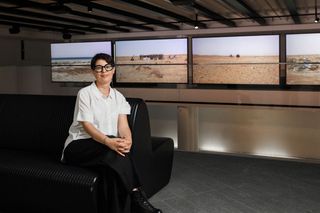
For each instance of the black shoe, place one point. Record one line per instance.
(140, 203)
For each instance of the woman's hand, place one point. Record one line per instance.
(119, 145)
(126, 144)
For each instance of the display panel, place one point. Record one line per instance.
(236, 60)
(70, 62)
(151, 61)
(303, 57)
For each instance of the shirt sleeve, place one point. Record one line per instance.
(124, 106)
(84, 112)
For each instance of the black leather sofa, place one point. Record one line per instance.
(33, 129)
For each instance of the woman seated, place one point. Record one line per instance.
(100, 137)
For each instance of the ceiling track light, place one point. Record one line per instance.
(196, 24)
(59, 8)
(89, 9)
(66, 35)
(15, 29)
(316, 19)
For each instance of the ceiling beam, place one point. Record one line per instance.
(19, 12)
(145, 19)
(114, 21)
(45, 7)
(215, 16)
(241, 6)
(47, 23)
(293, 11)
(272, 8)
(162, 11)
(41, 28)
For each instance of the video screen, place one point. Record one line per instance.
(303, 57)
(70, 62)
(236, 60)
(151, 61)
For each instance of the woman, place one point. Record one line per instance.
(100, 137)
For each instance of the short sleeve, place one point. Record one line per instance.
(84, 112)
(124, 107)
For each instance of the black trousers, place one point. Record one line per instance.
(118, 173)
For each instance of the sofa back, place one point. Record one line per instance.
(40, 123)
(35, 123)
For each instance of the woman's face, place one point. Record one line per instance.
(102, 74)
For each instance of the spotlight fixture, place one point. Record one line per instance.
(196, 26)
(15, 29)
(59, 8)
(89, 9)
(66, 35)
(316, 19)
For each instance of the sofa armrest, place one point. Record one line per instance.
(152, 155)
(162, 158)
(158, 141)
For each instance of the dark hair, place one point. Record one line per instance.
(102, 56)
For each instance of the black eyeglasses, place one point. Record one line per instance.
(99, 68)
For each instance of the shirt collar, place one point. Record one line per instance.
(99, 95)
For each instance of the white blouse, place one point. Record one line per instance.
(100, 110)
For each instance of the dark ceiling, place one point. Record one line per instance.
(114, 16)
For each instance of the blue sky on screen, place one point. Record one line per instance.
(158, 46)
(303, 44)
(242, 45)
(80, 49)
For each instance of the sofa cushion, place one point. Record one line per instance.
(37, 182)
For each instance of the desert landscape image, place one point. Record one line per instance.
(70, 62)
(236, 60)
(303, 57)
(152, 61)
(301, 69)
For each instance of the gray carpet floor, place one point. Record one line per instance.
(210, 183)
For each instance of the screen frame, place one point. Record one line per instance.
(237, 85)
(151, 84)
(304, 87)
(80, 83)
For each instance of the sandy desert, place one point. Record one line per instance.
(72, 74)
(152, 73)
(235, 69)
